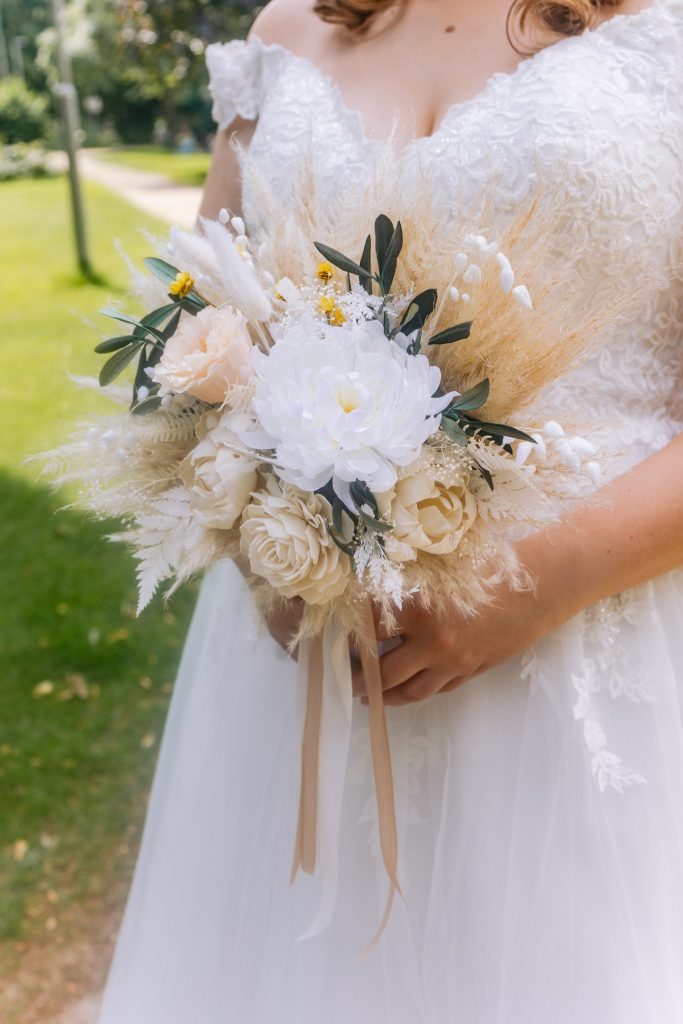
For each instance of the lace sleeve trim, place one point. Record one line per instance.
(235, 80)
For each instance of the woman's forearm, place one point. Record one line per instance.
(223, 187)
(632, 533)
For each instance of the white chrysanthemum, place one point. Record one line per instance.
(343, 404)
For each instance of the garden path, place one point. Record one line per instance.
(154, 194)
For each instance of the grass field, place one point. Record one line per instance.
(182, 168)
(84, 685)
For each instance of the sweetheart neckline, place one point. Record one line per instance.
(459, 107)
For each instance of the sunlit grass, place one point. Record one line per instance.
(84, 685)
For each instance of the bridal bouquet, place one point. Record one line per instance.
(341, 428)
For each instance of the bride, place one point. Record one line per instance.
(538, 747)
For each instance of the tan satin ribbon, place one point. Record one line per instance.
(381, 763)
(307, 827)
(306, 837)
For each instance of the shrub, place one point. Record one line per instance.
(23, 160)
(23, 113)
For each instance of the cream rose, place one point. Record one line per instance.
(426, 514)
(219, 475)
(284, 535)
(207, 356)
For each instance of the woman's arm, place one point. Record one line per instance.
(632, 534)
(223, 187)
(286, 23)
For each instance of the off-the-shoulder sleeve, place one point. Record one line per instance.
(235, 79)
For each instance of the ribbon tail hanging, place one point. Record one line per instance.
(325, 667)
(382, 768)
(325, 748)
(305, 847)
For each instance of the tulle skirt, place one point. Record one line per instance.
(540, 813)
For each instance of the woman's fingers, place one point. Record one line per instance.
(397, 666)
(421, 686)
(401, 664)
(452, 685)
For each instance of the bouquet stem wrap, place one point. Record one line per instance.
(325, 665)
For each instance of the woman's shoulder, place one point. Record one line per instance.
(241, 70)
(292, 24)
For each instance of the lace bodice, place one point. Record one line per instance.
(598, 116)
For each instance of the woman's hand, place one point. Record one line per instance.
(632, 533)
(283, 625)
(442, 649)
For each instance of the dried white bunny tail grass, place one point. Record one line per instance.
(150, 291)
(223, 274)
(117, 393)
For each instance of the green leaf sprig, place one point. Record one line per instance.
(150, 334)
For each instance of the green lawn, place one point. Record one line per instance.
(183, 168)
(84, 685)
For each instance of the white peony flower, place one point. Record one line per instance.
(343, 404)
(427, 514)
(285, 536)
(208, 355)
(218, 474)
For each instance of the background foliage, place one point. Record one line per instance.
(144, 59)
(23, 112)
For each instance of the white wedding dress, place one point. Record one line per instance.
(540, 806)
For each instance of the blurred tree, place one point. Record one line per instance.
(146, 60)
(143, 58)
(26, 19)
(23, 113)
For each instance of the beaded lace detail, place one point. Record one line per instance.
(604, 671)
(599, 117)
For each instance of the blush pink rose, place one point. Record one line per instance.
(207, 356)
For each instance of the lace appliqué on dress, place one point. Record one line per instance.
(413, 750)
(606, 670)
(237, 79)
